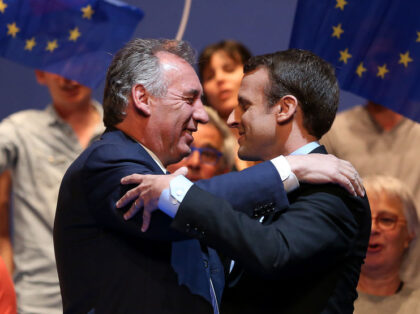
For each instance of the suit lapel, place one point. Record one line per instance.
(112, 135)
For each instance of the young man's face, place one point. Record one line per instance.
(64, 92)
(255, 121)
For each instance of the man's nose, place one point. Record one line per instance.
(219, 76)
(374, 227)
(200, 114)
(67, 82)
(233, 118)
(193, 160)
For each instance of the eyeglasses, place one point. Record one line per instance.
(208, 155)
(387, 221)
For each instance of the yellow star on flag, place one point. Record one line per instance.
(87, 12)
(418, 37)
(405, 58)
(344, 55)
(340, 4)
(3, 6)
(337, 31)
(382, 71)
(360, 69)
(12, 29)
(52, 45)
(30, 43)
(74, 34)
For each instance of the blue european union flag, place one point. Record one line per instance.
(75, 39)
(373, 44)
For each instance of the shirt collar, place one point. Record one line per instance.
(55, 118)
(154, 157)
(306, 149)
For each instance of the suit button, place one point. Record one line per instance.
(206, 263)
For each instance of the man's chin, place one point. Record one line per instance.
(243, 154)
(180, 154)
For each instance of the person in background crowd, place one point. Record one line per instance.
(212, 150)
(379, 141)
(394, 230)
(38, 146)
(220, 68)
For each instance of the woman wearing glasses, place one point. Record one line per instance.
(394, 229)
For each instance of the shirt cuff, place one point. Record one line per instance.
(289, 179)
(171, 198)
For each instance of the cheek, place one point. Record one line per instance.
(236, 79)
(397, 243)
(210, 89)
(208, 171)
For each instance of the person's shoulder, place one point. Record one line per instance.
(115, 149)
(337, 201)
(25, 116)
(348, 116)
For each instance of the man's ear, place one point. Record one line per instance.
(286, 107)
(40, 77)
(140, 99)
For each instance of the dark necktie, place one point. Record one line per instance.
(194, 268)
(194, 265)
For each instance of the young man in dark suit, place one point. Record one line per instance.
(302, 258)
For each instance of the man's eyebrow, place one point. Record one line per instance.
(192, 92)
(243, 101)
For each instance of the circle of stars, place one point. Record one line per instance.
(30, 43)
(345, 55)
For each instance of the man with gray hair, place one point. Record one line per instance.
(152, 105)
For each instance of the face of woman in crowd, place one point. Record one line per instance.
(389, 236)
(221, 81)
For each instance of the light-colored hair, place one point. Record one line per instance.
(137, 63)
(228, 148)
(396, 189)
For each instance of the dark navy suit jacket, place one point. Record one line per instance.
(107, 264)
(304, 258)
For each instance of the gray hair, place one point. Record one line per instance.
(396, 189)
(228, 148)
(137, 63)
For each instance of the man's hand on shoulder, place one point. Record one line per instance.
(320, 168)
(146, 194)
